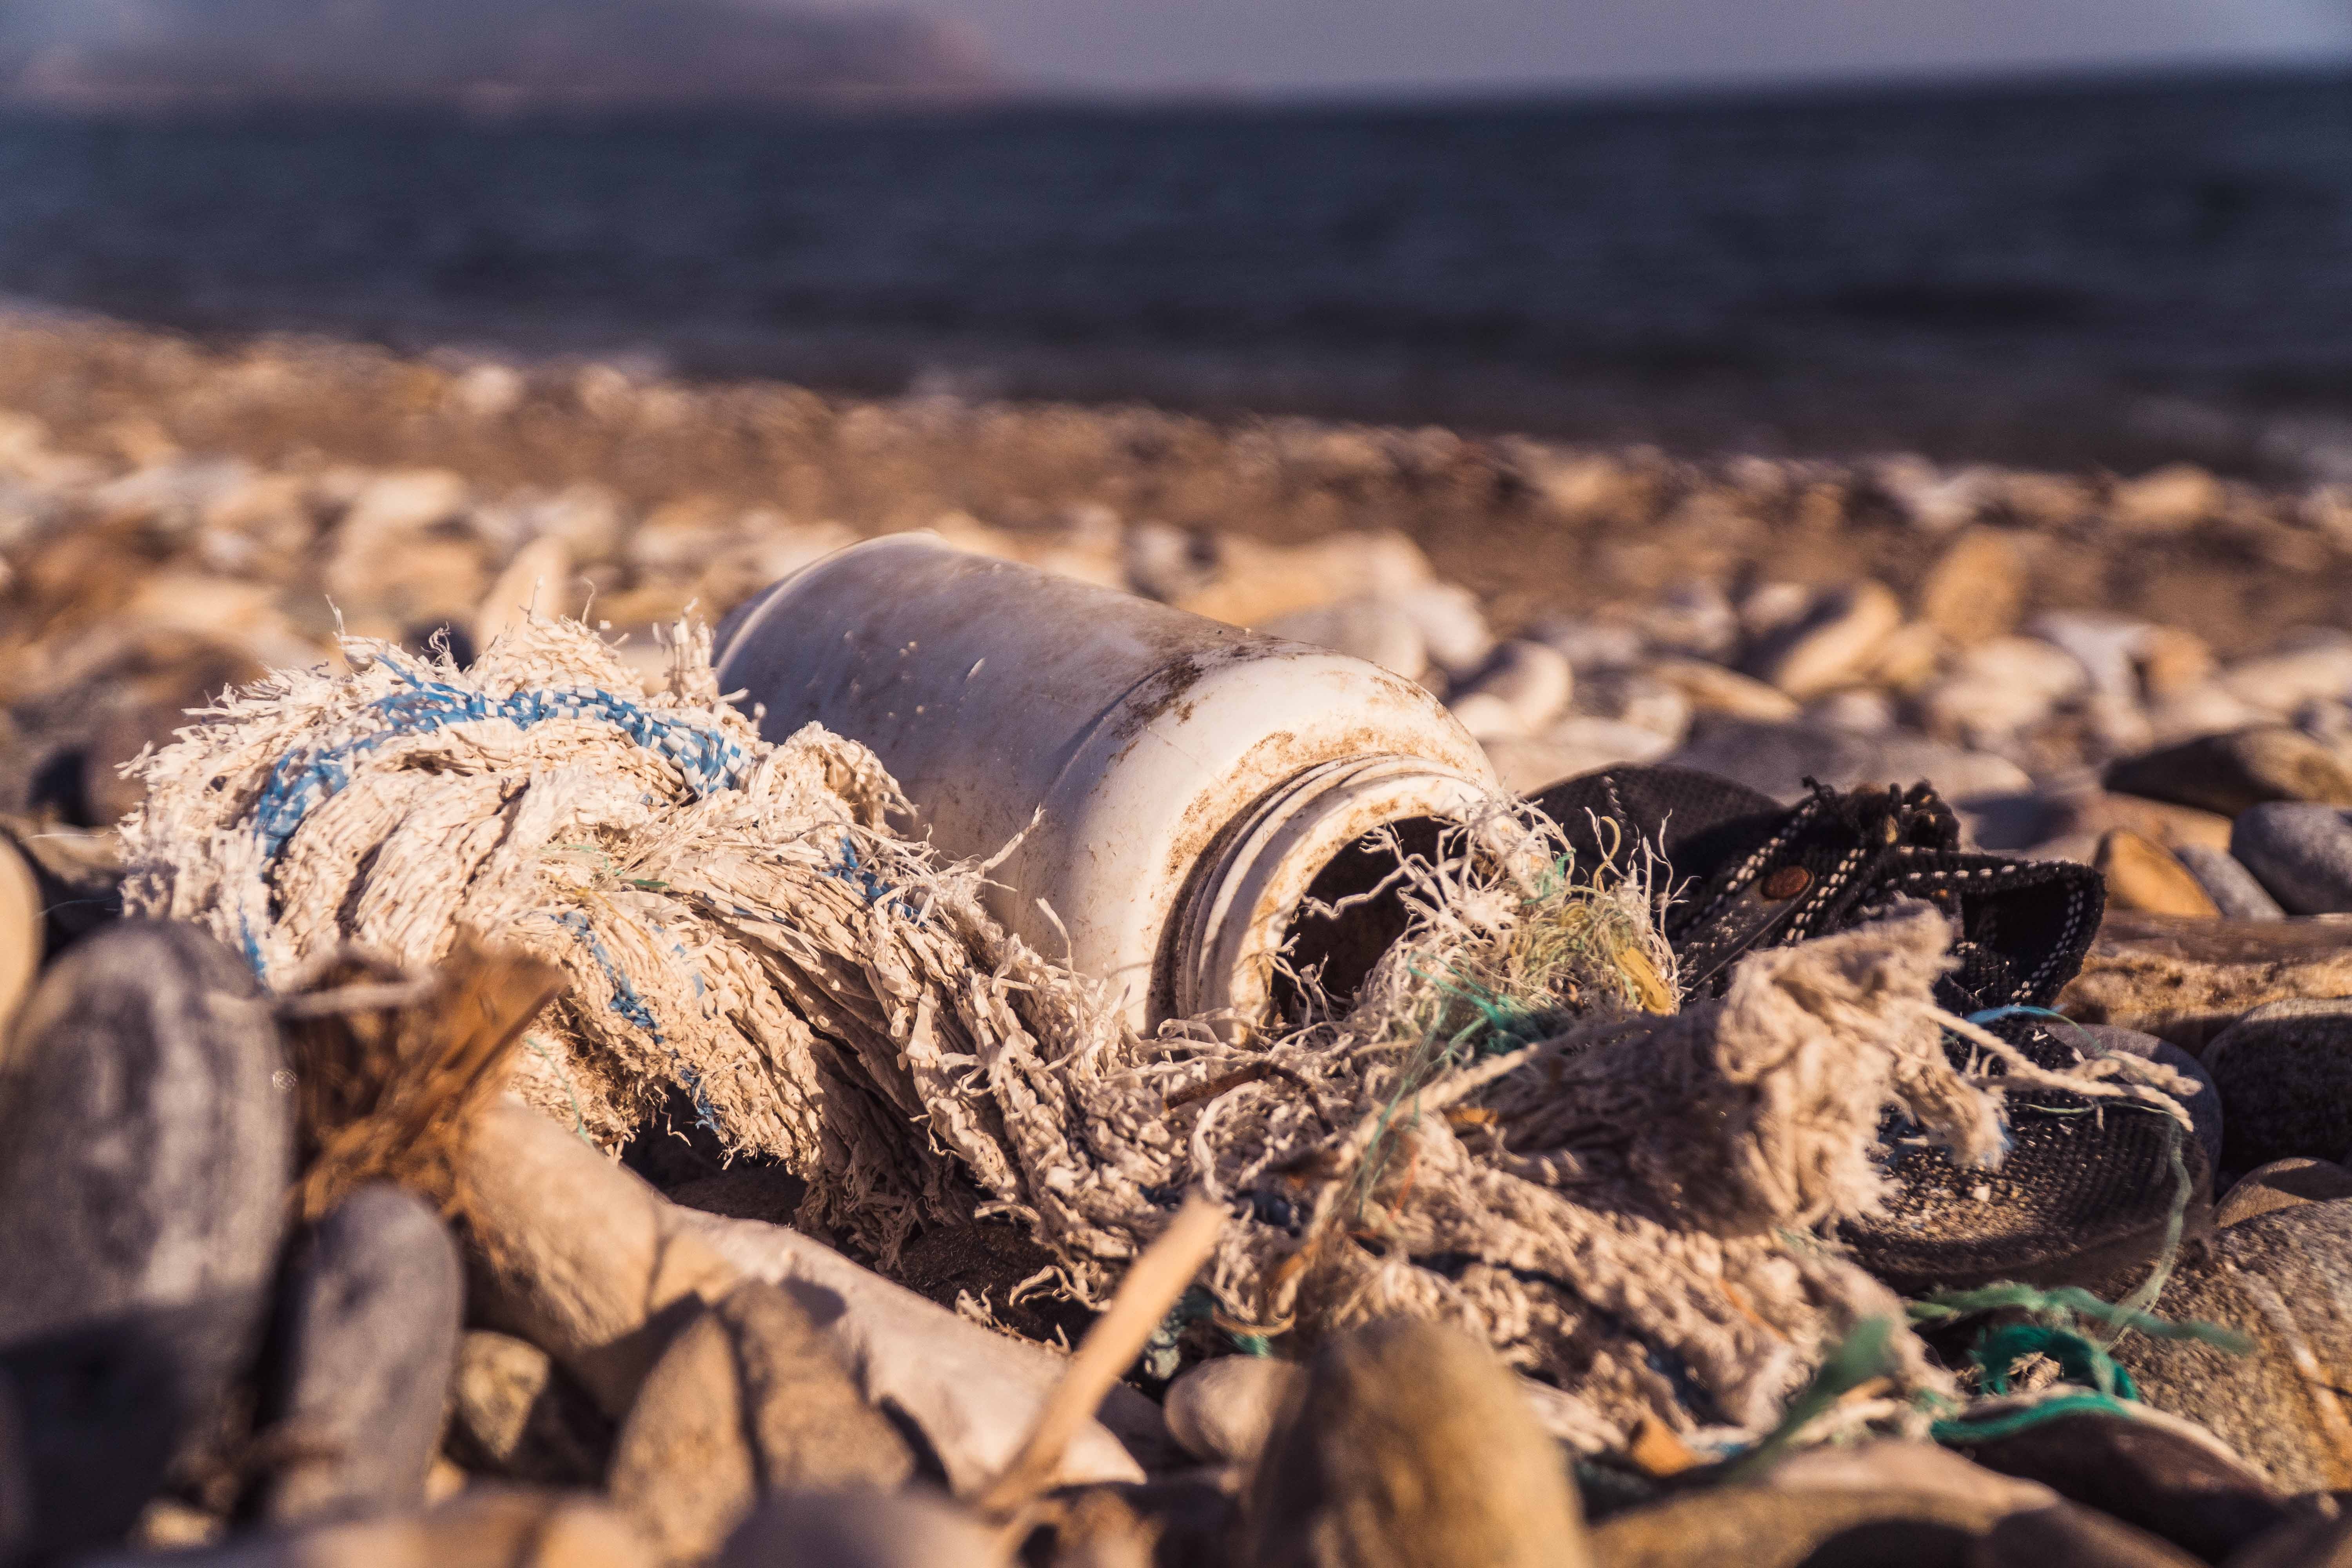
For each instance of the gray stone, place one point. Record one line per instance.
(1222, 1410)
(2226, 882)
(367, 1339)
(2204, 1107)
(2233, 773)
(144, 1153)
(748, 1398)
(1523, 687)
(2281, 1184)
(2301, 853)
(1777, 758)
(1374, 630)
(1833, 645)
(2285, 1076)
(1411, 1445)
(860, 1529)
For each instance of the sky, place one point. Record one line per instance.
(1327, 46)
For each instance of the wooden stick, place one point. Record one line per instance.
(1151, 1288)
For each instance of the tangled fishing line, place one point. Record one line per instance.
(1509, 1125)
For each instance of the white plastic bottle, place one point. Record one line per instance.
(1194, 779)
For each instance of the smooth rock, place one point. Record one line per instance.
(1253, 582)
(1639, 698)
(2076, 1537)
(2284, 1280)
(2236, 771)
(2000, 686)
(1777, 758)
(2145, 877)
(2284, 1071)
(2203, 709)
(1694, 619)
(1453, 626)
(482, 1526)
(972, 1394)
(2301, 853)
(1857, 709)
(1591, 645)
(1916, 1469)
(515, 1414)
(1374, 630)
(2155, 1473)
(2205, 1111)
(1411, 1445)
(1712, 688)
(2187, 980)
(2233, 888)
(1766, 1527)
(910, 1529)
(1572, 747)
(1976, 588)
(2282, 682)
(2165, 501)
(2282, 1184)
(1833, 645)
(538, 579)
(21, 933)
(144, 1153)
(747, 1399)
(1223, 1409)
(366, 1342)
(1522, 689)
(2098, 811)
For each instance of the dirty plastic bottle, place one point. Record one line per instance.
(1190, 782)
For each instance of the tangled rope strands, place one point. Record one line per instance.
(1509, 1126)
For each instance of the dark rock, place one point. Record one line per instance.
(2234, 772)
(366, 1341)
(2285, 1072)
(144, 1146)
(1411, 1444)
(516, 1414)
(1777, 758)
(2161, 1479)
(2285, 1280)
(910, 1529)
(2076, 1538)
(748, 1398)
(2302, 854)
(2233, 890)
(2281, 1184)
(1761, 1527)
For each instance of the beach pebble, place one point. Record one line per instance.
(2233, 773)
(2000, 687)
(2301, 853)
(1691, 619)
(2185, 981)
(1771, 1527)
(1573, 746)
(1857, 709)
(2226, 882)
(1453, 628)
(2281, 682)
(910, 1529)
(1777, 758)
(514, 1414)
(144, 1151)
(1591, 645)
(2284, 1071)
(2284, 1280)
(1639, 697)
(481, 1527)
(21, 932)
(2160, 1474)
(2165, 501)
(1524, 686)
(539, 578)
(1374, 630)
(2145, 876)
(365, 1341)
(1411, 1444)
(1976, 588)
(1712, 688)
(1223, 1409)
(2282, 1184)
(748, 1398)
(1834, 644)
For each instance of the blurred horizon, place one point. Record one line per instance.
(519, 55)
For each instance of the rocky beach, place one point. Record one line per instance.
(2130, 693)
